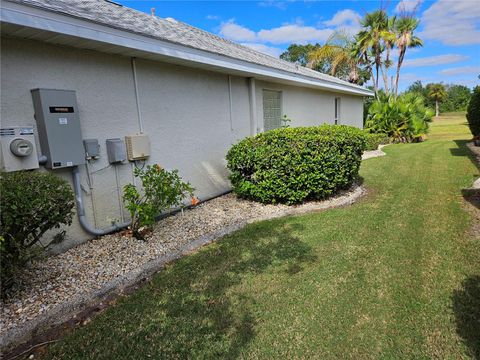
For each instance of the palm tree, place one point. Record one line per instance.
(388, 38)
(339, 52)
(404, 27)
(370, 39)
(437, 92)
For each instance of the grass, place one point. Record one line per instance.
(395, 276)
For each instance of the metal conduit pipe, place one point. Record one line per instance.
(81, 210)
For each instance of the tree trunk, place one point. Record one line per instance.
(385, 78)
(399, 65)
(436, 108)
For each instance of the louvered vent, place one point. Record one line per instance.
(7, 132)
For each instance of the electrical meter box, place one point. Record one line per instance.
(58, 126)
(116, 150)
(138, 147)
(17, 149)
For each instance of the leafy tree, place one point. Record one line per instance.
(298, 54)
(473, 112)
(437, 93)
(458, 97)
(339, 53)
(405, 27)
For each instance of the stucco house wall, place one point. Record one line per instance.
(186, 113)
(310, 107)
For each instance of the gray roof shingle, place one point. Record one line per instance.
(120, 17)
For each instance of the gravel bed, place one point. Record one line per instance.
(102, 264)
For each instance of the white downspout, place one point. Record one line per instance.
(253, 106)
(137, 99)
(230, 100)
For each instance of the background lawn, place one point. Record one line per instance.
(395, 276)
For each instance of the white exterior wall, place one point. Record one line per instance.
(310, 107)
(185, 111)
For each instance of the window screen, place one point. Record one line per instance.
(337, 110)
(272, 109)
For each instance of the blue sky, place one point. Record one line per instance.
(450, 29)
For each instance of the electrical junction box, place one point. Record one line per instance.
(138, 147)
(58, 126)
(116, 150)
(92, 148)
(17, 149)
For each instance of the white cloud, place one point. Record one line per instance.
(435, 60)
(212, 17)
(231, 30)
(452, 22)
(294, 34)
(297, 32)
(282, 5)
(269, 50)
(344, 17)
(462, 70)
(407, 6)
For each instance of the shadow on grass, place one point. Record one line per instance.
(197, 307)
(470, 195)
(466, 306)
(462, 150)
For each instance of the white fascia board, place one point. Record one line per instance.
(32, 17)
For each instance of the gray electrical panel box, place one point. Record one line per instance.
(92, 148)
(58, 126)
(116, 151)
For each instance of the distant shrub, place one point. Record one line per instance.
(473, 112)
(31, 204)
(403, 119)
(291, 165)
(162, 189)
(374, 140)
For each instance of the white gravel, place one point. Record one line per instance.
(72, 278)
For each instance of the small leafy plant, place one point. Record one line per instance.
(162, 190)
(32, 203)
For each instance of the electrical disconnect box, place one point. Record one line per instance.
(58, 127)
(116, 150)
(92, 148)
(138, 147)
(17, 148)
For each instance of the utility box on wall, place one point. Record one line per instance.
(58, 126)
(17, 149)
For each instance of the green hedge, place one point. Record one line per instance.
(32, 203)
(374, 140)
(291, 165)
(473, 112)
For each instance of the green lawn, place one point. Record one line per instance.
(395, 276)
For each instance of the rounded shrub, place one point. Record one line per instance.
(292, 165)
(473, 112)
(31, 204)
(374, 140)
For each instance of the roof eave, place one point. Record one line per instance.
(43, 20)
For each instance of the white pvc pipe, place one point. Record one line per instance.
(137, 97)
(230, 100)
